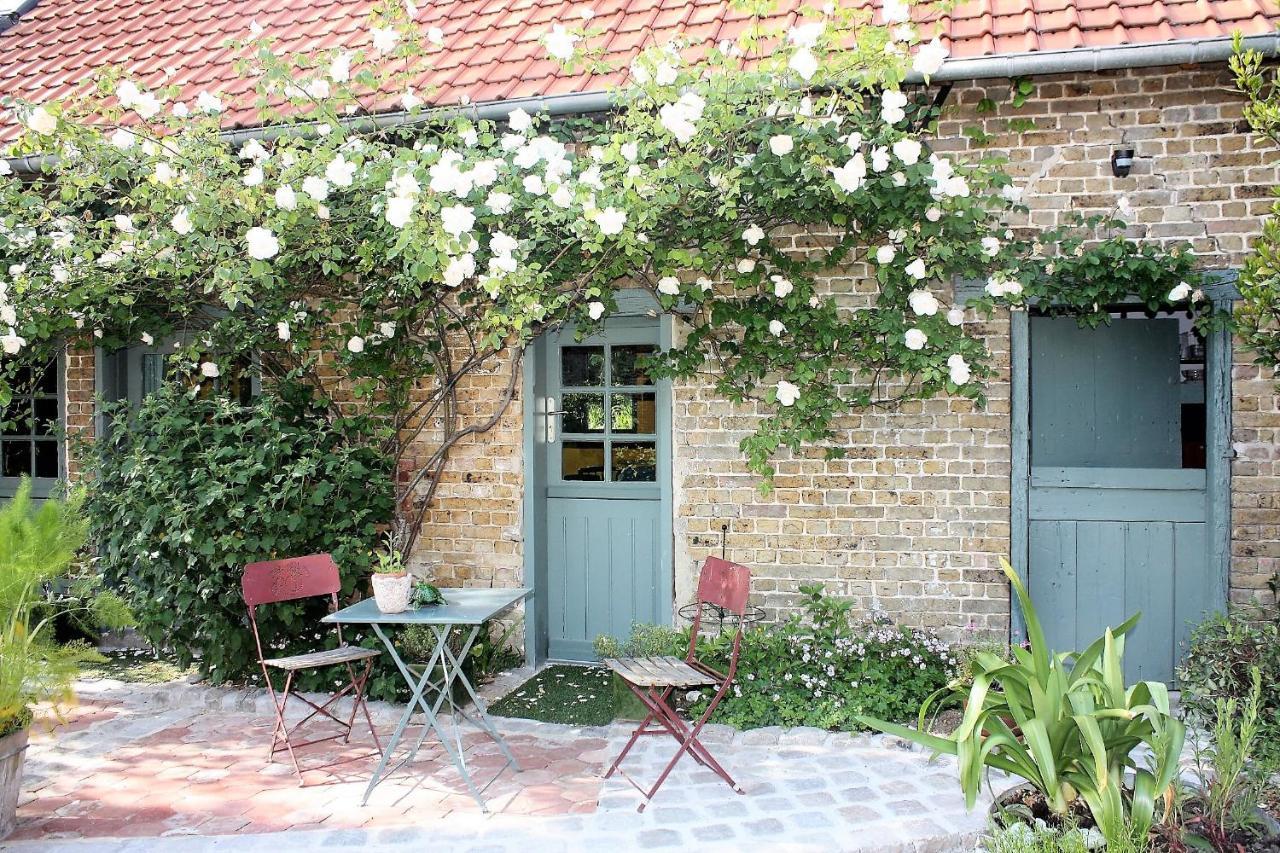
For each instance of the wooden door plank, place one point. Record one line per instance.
(1149, 588)
(1052, 577)
(1100, 558)
(1196, 592)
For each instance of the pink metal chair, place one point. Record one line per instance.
(274, 581)
(722, 585)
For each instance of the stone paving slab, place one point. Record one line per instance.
(131, 769)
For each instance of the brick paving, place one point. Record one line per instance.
(183, 768)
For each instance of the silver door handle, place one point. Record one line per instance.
(557, 412)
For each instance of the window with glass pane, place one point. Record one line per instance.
(30, 445)
(608, 395)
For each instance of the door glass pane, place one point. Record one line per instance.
(17, 418)
(46, 416)
(582, 461)
(583, 413)
(626, 370)
(634, 413)
(582, 366)
(48, 380)
(17, 458)
(47, 459)
(635, 462)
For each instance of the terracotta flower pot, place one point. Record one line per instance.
(13, 749)
(391, 592)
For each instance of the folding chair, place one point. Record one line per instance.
(274, 581)
(723, 585)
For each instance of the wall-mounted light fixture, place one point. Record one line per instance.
(1121, 162)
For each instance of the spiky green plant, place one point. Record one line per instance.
(37, 546)
(1066, 723)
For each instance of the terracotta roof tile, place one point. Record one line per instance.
(491, 49)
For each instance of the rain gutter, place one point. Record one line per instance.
(1031, 64)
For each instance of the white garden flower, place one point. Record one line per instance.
(519, 120)
(408, 100)
(777, 328)
(385, 39)
(165, 174)
(916, 269)
(318, 88)
(782, 287)
(895, 12)
(207, 103)
(908, 150)
(121, 139)
(560, 43)
(1124, 208)
(210, 370)
(781, 145)
(610, 221)
(929, 58)
(915, 339)
(317, 188)
(670, 285)
(499, 202)
(990, 246)
(595, 310)
(788, 393)
(459, 270)
(147, 339)
(340, 68)
(5, 168)
(127, 93)
(681, 118)
(893, 106)
(806, 35)
(533, 185)
(923, 303)
(959, 369)
(123, 222)
(1179, 293)
(399, 210)
(804, 63)
(253, 150)
(262, 243)
(933, 214)
(956, 316)
(253, 177)
(181, 110)
(181, 221)
(387, 329)
(41, 121)
(562, 197)
(12, 342)
(753, 235)
(457, 219)
(283, 331)
(746, 265)
(851, 175)
(435, 35)
(286, 198)
(704, 284)
(885, 254)
(1011, 193)
(665, 74)
(879, 158)
(340, 172)
(630, 150)
(355, 344)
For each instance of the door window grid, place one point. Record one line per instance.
(31, 445)
(608, 432)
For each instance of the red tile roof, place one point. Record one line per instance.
(491, 50)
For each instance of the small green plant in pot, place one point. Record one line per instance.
(392, 584)
(37, 547)
(1067, 724)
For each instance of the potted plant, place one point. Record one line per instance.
(37, 547)
(392, 583)
(1068, 725)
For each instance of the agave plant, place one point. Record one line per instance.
(1067, 724)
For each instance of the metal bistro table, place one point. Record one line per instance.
(464, 608)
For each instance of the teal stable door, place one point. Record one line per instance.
(1117, 500)
(606, 464)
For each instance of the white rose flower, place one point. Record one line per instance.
(355, 344)
(317, 188)
(435, 35)
(121, 139)
(915, 339)
(5, 168)
(533, 185)
(665, 74)
(210, 370)
(704, 284)
(851, 175)
(147, 339)
(262, 243)
(595, 310)
(630, 150)
(916, 269)
(12, 342)
(908, 150)
(753, 235)
(519, 120)
(879, 158)
(340, 172)
(782, 287)
(933, 214)
(123, 223)
(788, 393)
(746, 265)
(207, 103)
(781, 145)
(399, 211)
(181, 221)
(408, 100)
(340, 68)
(459, 270)
(253, 177)
(385, 39)
(895, 12)
(1011, 194)
(610, 221)
(804, 63)
(990, 246)
(499, 202)
(387, 329)
(283, 331)
(562, 197)
(457, 219)
(670, 285)
(681, 118)
(885, 254)
(956, 316)
(181, 110)
(165, 174)
(776, 328)
(923, 303)
(560, 43)
(929, 58)
(1179, 293)
(41, 121)
(286, 198)
(892, 106)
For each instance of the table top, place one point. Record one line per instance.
(463, 607)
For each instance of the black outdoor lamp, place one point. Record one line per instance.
(1121, 162)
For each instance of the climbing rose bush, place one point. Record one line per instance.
(380, 263)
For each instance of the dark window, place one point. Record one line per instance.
(31, 445)
(608, 395)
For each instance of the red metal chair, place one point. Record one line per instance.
(722, 585)
(274, 581)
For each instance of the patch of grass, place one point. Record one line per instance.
(135, 667)
(561, 693)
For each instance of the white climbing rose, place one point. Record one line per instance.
(959, 369)
(669, 284)
(782, 287)
(788, 393)
(923, 303)
(885, 254)
(262, 243)
(753, 235)
(929, 58)
(122, 139)
(181, 221)
(893, 106)
(283, 331)
(990, 246)
(286, 198)
(457, 219)
(340, 172)
(1179, 293)
(804, 63)
(317, 188)
(746, 265)
(41, 121)
(399, 211)
(610, 221)
(781, 145)
(595, 310)
(355, 344)
(916, 269)
(560, 43)
(956, 316)
(519, 120)
(915, 339)
(776, 328)
(908, 150)
(210, 370)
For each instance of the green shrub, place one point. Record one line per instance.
(188, 490)
(824, 669)
(1223, 652)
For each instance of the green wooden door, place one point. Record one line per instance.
(1117, 501)
(607, 460)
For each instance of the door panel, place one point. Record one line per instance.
(1116, 523)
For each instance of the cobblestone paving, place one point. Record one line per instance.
(183, 768)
